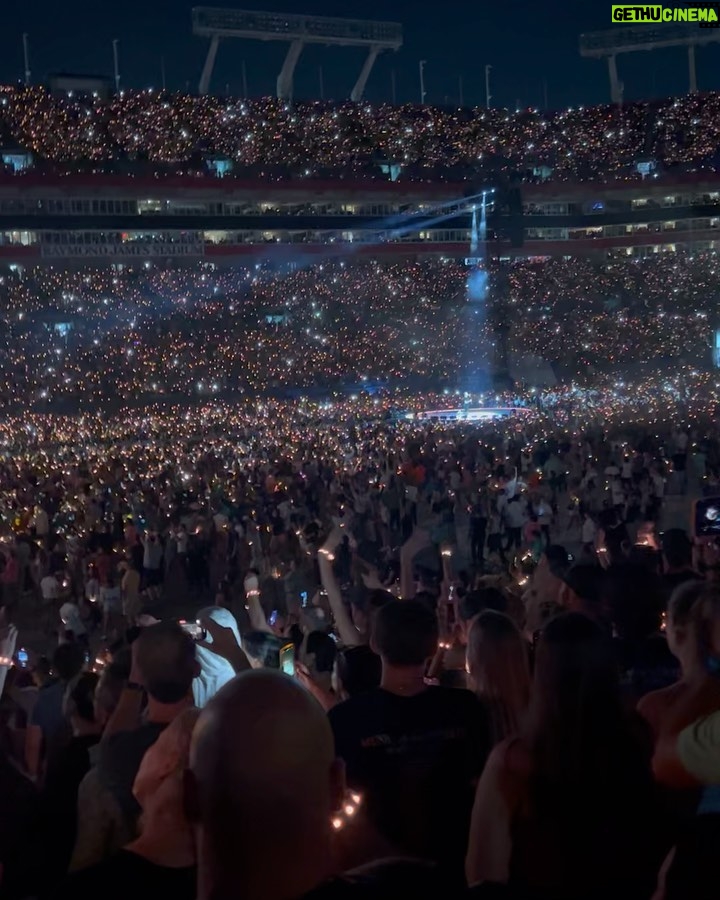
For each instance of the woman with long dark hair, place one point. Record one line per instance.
(569, 809)
(499, 671)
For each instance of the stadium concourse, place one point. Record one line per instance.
(484, 625)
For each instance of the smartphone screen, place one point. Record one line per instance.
(272, 620)
(304, 599)
(287, 659)
(707, 517)
(196, 632)
(23, 658)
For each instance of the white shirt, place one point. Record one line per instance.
(49, 588)
(589, 531)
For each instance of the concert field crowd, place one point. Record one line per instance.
(270, 632)
(100, 335)
(410, 574)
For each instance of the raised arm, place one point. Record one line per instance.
(347, 632)
(417, 541)
(258, 620)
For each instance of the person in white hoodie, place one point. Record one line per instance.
(215, 670)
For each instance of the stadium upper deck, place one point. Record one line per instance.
(137, 177)
(123, 218)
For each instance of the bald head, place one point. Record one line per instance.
(263, 739)
(264, 780)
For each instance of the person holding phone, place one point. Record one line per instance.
(215, 671)
(164, 667)
(160, 860)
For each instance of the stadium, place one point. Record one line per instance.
(189, 215)
(277, 225)
(184, 246)
(359, 460)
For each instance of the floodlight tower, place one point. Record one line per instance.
(298, 30)
(608, 44)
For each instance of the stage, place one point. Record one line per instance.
(470, 414)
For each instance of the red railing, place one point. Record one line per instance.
(309, 187)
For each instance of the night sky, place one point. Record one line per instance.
(527, 43)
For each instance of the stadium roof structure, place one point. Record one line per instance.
(609, 43)
(298, 30)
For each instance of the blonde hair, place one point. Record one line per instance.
(704, 616)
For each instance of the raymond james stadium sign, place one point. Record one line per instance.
(125, 250)
(705, 15)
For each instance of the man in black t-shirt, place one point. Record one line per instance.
(264, 789)
(411, 750)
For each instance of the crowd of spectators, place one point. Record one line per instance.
(498, 662)
(279, 647)
(202, 332)
(274, 139)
